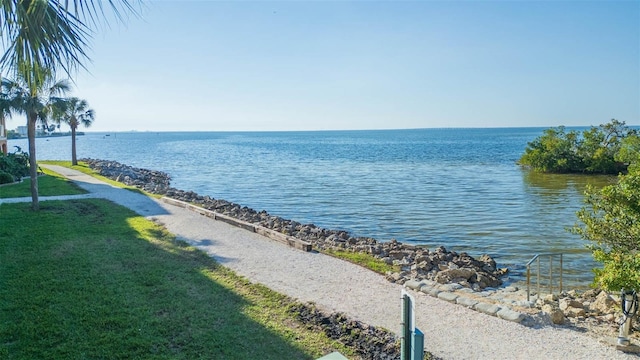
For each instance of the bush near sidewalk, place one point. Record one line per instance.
(13, 166)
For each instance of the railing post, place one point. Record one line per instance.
(551, 274)
(538, 295)
(528, 282)
(560, 273)
(536, 258)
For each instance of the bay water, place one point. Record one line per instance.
(459, 188)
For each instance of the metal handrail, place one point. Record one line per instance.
(537, 257)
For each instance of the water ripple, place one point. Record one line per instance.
(454, 187)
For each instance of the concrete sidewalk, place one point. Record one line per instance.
(46, 198)
(451, 331)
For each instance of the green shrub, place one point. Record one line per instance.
(610, 220)
(16, 164)
(5, 177)
(619, 271)
(555, 152)
(594, 151)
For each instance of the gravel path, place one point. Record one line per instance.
(451, 331)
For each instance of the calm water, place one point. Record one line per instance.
(454, 187)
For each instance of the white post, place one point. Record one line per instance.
(629, 307)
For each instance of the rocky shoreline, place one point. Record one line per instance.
(415, 262)
(368, 342)
(440, 268)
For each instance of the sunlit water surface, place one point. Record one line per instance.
(460, 188)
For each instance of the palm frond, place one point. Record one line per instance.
(87, 118)
(93, 11)
(38, 101)
(51, 34)
(42, 34)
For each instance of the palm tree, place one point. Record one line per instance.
(36, 101)
(40, 37)
(76, 112)
(5, 112)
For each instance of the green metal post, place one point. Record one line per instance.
(405, 343)
(418, 345)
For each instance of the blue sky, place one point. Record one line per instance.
(206, 65)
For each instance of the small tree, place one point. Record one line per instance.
(34, 99)
(601, 144)
(555, 151)
(611, 221)
(593, 151)
(76, 112)
(629, 153)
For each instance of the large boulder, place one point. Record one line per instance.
(487, 280)
(454, 275)
(489, 263)
(556, 315)
(603, 304)
(567, 303)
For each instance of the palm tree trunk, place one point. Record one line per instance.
(74, 160)
(33, 166)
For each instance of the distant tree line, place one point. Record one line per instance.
(599, 150)
(12, 134)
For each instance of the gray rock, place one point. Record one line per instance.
(446, 276)
(524, 303)
(450, 287)
(603, 303)
(556, 315)
(466, 291)
(550, 298)
(489, 309)
(488, 261)
(574, 312)
(434, 292)
(450, 297)
(465, 301)
(426, 289)
(429, 282)
(510, 315)
(567, 303)
(413, 284)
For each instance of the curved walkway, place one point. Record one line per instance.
(451, 331)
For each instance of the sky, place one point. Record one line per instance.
(338, 65)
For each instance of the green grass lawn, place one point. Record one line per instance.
(84, 168)
(88, 279)
(365, 260)
(48, 185)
